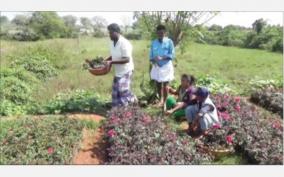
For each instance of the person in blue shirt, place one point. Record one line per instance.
(162, 53)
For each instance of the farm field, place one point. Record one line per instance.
(59, 87)
(234, 66)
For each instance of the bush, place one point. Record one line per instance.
(37, 64)
(270, 99)
(214, 85)
(259, 137)
(72, 101)
(19, 73)
(31, 141)
(133, 35)
(25, 34)
(257, 84)
(137, 139)
(16, 88)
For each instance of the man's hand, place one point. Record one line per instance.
(87, 61)
(107, 62)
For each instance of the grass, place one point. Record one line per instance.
(41, 140)
(233, 65)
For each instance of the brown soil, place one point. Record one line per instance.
(92, 150)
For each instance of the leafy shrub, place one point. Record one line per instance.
(50, 140)
(257, 84)
(73, 101)
(8, 108)
(248, 130)
(270, 99)
(214, 85)
(39, 65)
(24, 34)
(19, 73)
(133, 35)
(15, 90)
(137, 139)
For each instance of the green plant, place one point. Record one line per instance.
(33, 141)
(74, 101)
(37, 64)
(214, 85)
(134, 138)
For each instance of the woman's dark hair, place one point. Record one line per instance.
(114, 28)
(190, 78)
(161, 27)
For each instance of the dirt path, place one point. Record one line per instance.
(92, 151)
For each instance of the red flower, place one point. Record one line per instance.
(50, 150)
(229, 139)
(238, 108)
(276, 125)
(146, 119)
(225, 115)
(111, 133)
(128, 114)
(237, 99)
(217, 126)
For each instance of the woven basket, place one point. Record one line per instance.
(218, 153)
(100, 71)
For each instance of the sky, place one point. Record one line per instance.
(223, 18)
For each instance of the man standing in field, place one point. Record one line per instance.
(121, 59)
(161, 56)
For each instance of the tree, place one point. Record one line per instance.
(21, 20)
(215, 28)
(99, 26)
(258, 25)
(180, 27)
(47, 25)
(4, 20)
(86, 25)
(71, 27)
(179, 24)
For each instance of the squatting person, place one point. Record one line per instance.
(185, 97)
(121, 59)
(202, 115)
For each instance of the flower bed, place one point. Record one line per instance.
(49, 140)
(270, 99)
(137, 139)
(247, 130)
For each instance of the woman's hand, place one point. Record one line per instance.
(169, 112)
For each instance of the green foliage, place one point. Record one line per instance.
(47, 25)
(9, 108)
(48, 140)
(37, 64)
(19, 73)
(260, 36)
(257, 84)
(15, 90)
(215, 85)
(74, 101)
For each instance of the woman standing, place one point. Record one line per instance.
(161, 56)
